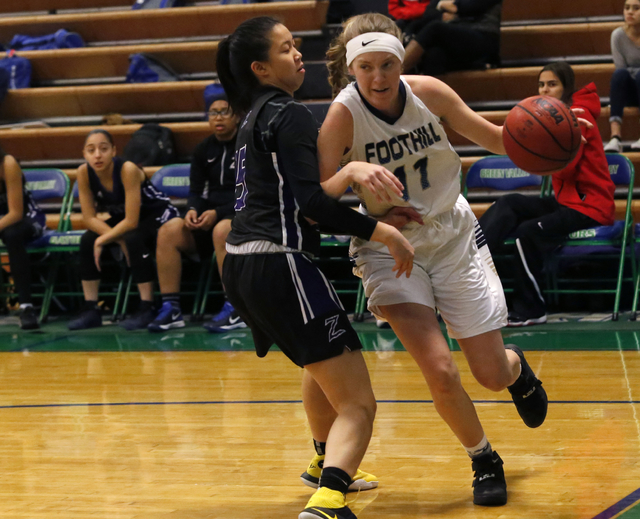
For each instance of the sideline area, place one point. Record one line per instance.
(563, 332)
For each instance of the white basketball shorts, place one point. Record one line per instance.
(453, 271)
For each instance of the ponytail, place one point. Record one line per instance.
(227, 79)
(337, 65)
(249, 42)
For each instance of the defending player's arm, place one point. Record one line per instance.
(442, 101)
(334, 140)
(299, 162)
(297, 155)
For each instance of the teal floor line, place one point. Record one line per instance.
(55, 337)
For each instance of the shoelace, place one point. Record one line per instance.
(354, 500)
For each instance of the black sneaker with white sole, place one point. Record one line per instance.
(515, 320)
(528, 394)
(489, 484)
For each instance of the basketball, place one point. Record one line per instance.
(541, 135)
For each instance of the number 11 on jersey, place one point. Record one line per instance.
(421, 167)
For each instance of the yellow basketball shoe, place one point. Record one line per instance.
(327, 504)
(361, 481)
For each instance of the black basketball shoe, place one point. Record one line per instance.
(528, 394)
(489, 485)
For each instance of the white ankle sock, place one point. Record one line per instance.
(481, 448)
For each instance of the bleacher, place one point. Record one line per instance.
(33, 6)
(74, 88)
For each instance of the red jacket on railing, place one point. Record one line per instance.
(407, 9)
(585, 185)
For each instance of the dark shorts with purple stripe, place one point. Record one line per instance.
(287, 301)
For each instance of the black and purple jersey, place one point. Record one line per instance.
(278, 180)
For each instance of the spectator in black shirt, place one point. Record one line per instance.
(455, 35)
(208, 218)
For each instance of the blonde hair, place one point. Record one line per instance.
(354, 26)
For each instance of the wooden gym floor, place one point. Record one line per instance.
(124, 425)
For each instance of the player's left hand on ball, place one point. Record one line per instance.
(377, 179)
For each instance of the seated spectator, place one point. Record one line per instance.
(583, 199)
(21, 221)
(208, 219)
(136, 211)
(625, 82)
(455, 35)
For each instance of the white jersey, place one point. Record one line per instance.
(414, 147)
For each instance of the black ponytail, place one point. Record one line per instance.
(249, 42)
(228, 81)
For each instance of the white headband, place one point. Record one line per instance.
(374, 42)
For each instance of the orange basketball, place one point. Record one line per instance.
(541, 135)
